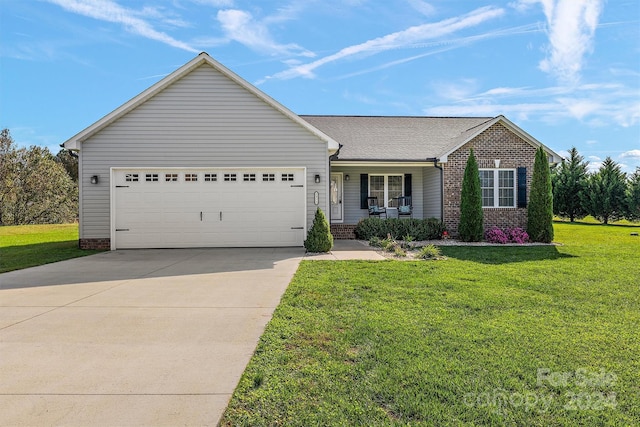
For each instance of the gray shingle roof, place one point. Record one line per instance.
(396, 138)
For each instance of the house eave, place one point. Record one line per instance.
(382, 163)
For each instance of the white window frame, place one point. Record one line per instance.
(496, 188)
(386, 186)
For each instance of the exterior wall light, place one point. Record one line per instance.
(317, 179)
(94, 179)
(346, 178)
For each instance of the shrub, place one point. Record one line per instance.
(471, 225)
(540, 209)
(319, 238)
(495, 235)
(419, 229)
(375, 242)
(517, 235)
(510, 235)
(399, 252)
(429, 252)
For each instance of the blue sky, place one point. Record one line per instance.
(566, 71)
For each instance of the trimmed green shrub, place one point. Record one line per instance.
(319, 238)
(540, 209)
(471, 225)
(420, 229)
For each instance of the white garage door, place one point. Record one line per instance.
(180, 208)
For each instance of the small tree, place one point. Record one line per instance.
(633, 196)
(319, 238)
(569, 183)
(540, 209)
(471, 226)
(605, 198)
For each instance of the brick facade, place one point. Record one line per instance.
(94, 243)
(497, 142)
(343, 231)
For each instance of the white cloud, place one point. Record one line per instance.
(571, 30)
(631, 154)
(423, 7)
(400, 39)
(240, 26)
(110, 11)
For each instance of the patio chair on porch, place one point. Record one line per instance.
(405, 208)
(375, 209)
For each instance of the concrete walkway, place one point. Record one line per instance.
(347, 250)
(124, 338)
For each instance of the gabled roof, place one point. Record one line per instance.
(203, 58)
(407, 139)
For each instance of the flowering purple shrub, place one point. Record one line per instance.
(495, 235)
(509, 235)
(517, 235)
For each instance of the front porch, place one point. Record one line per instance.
(350, 185)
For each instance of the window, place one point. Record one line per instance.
(268, 177)
(171, 177)
(249, 177)
(387, 188)
(287, 177)
(210, 177)
(151, 177)
(191, 177)
(229, 177)
(498, 188)
(131, 177)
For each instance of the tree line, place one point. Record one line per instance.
(36, 187)
(607, 194)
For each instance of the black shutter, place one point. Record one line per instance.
(522, 187)
(407, 184)
(364, 190)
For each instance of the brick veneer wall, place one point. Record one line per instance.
(497, 142)
(343, 231)
(94, 243)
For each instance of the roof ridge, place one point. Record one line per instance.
(393, 117)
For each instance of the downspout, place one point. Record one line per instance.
(435, 164)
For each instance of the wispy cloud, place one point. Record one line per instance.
(571, 29)
(595, 105)
(110, 11)
(631, 154)
(240, 26)
(400, 39)
(423, 7)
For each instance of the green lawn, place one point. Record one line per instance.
(25, 246)
(539, 336)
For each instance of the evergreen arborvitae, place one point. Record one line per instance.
(569, 185)
(540, 209)
(471, 226)
(605, 198)
(633, 196)
(319, 238)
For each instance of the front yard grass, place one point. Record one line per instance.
(25, 246)
(539, 335)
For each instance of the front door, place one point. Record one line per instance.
(335, 194)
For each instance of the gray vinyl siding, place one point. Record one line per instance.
(422, 208)
(432, 193)
(202, 120)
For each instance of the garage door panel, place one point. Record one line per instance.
(188, 211)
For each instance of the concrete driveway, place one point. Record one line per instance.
(143, 337)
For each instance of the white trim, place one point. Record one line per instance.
(378, 163)
(496, 187)
(112, 202)
(75, 142)
(556, 158)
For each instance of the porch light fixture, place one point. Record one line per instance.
(317, 179)
(94, 179)
(346, 178)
